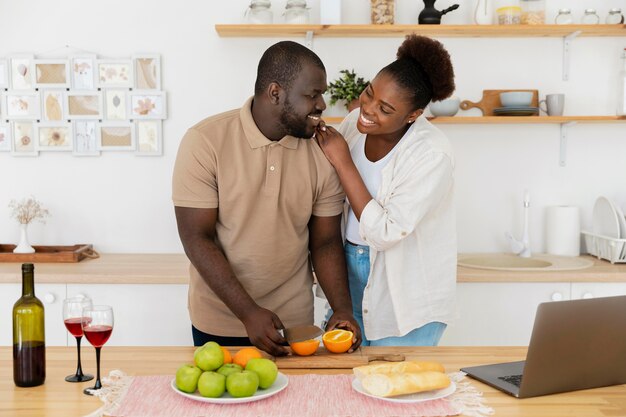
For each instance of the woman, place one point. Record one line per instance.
(397, 171)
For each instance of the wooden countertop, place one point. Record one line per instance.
(57, 398)
(173, 269)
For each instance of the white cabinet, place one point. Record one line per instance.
(595, 289)
(145, 314)
(492, 314)
(51, 295)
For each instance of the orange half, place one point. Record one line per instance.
(338, 340)
(305, 348)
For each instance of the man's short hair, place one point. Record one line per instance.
(281, 64)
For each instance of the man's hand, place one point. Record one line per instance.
(346, 321)
(262, 327)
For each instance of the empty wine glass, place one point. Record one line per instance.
(97, 324)
(73, 317)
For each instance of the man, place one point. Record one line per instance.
(253, 194)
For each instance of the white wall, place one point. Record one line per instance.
(121, 203)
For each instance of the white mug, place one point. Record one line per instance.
(554, 104)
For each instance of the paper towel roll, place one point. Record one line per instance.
(563, 230)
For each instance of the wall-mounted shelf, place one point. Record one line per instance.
(469, 31)
(564, 121)
(500, 120)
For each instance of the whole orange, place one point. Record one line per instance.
(227, 356)
(305, 348)
(244, 355)
(338, 340)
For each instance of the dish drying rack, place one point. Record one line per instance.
(604, 247)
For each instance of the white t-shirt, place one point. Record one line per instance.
(371, 173)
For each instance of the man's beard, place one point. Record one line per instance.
(292, 124)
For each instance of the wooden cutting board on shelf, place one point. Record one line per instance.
(323, 359)
(491, 101)
(75, 253)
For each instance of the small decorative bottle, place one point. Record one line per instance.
(259, 12)
(564, 17)
(296, 12)
(615, 17)
(590, 17)
(621, 97)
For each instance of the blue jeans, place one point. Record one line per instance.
(358, 262)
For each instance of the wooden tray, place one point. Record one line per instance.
(74, 253)
(323, 359)
(491, 101)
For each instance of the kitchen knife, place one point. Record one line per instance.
(301, 333)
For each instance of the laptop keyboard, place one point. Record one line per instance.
(512, 379)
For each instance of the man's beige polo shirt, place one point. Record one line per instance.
(266, 193)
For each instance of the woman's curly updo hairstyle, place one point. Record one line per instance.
(423, 69)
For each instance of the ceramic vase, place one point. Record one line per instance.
(24, 246)
(483, 12)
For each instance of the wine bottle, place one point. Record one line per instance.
(29, 346)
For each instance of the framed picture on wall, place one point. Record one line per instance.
(85, 137)
(84, 105)
(114, 73)
(115, 104)
(21, 71)
(18, 104)
(149, 137)
(4, 74)
(147, 73)
(52, 73)
(83, 72)
(23, 133)
(53, 105)
(5, 137)
(146, 104)
(54, 136)
(116, 136)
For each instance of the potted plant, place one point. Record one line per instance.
(348, 88)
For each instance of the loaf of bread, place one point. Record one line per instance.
(392, 384)
(397, 367)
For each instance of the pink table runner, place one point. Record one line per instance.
(309, 395)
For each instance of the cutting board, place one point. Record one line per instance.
(74, 253)
(491, 101)
(323, 359)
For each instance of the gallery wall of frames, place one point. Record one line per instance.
(81, 104)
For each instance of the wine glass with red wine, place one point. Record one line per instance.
(73, 317)
(97, 324)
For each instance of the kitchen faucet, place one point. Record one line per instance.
(522, 247)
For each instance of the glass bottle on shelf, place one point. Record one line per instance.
(564, 17)
(29, 342)
(590, 17)
(296, 12)
(259, 13)
(383, 12)
(615, 17)
(621, 97)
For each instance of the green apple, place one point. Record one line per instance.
(229, 368)
(265, 368)
(209, 357)
(211, 384)
(242, 384)
(187, 378)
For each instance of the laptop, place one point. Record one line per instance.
(574, 345)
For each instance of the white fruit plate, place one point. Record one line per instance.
(261, 394)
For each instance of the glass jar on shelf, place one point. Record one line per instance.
(533, 12)
(590, 17)
(296, 12)
(564, 17)
(615, 17)
(383, 12)
(259, 12)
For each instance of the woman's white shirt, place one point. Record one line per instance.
(410, 227)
